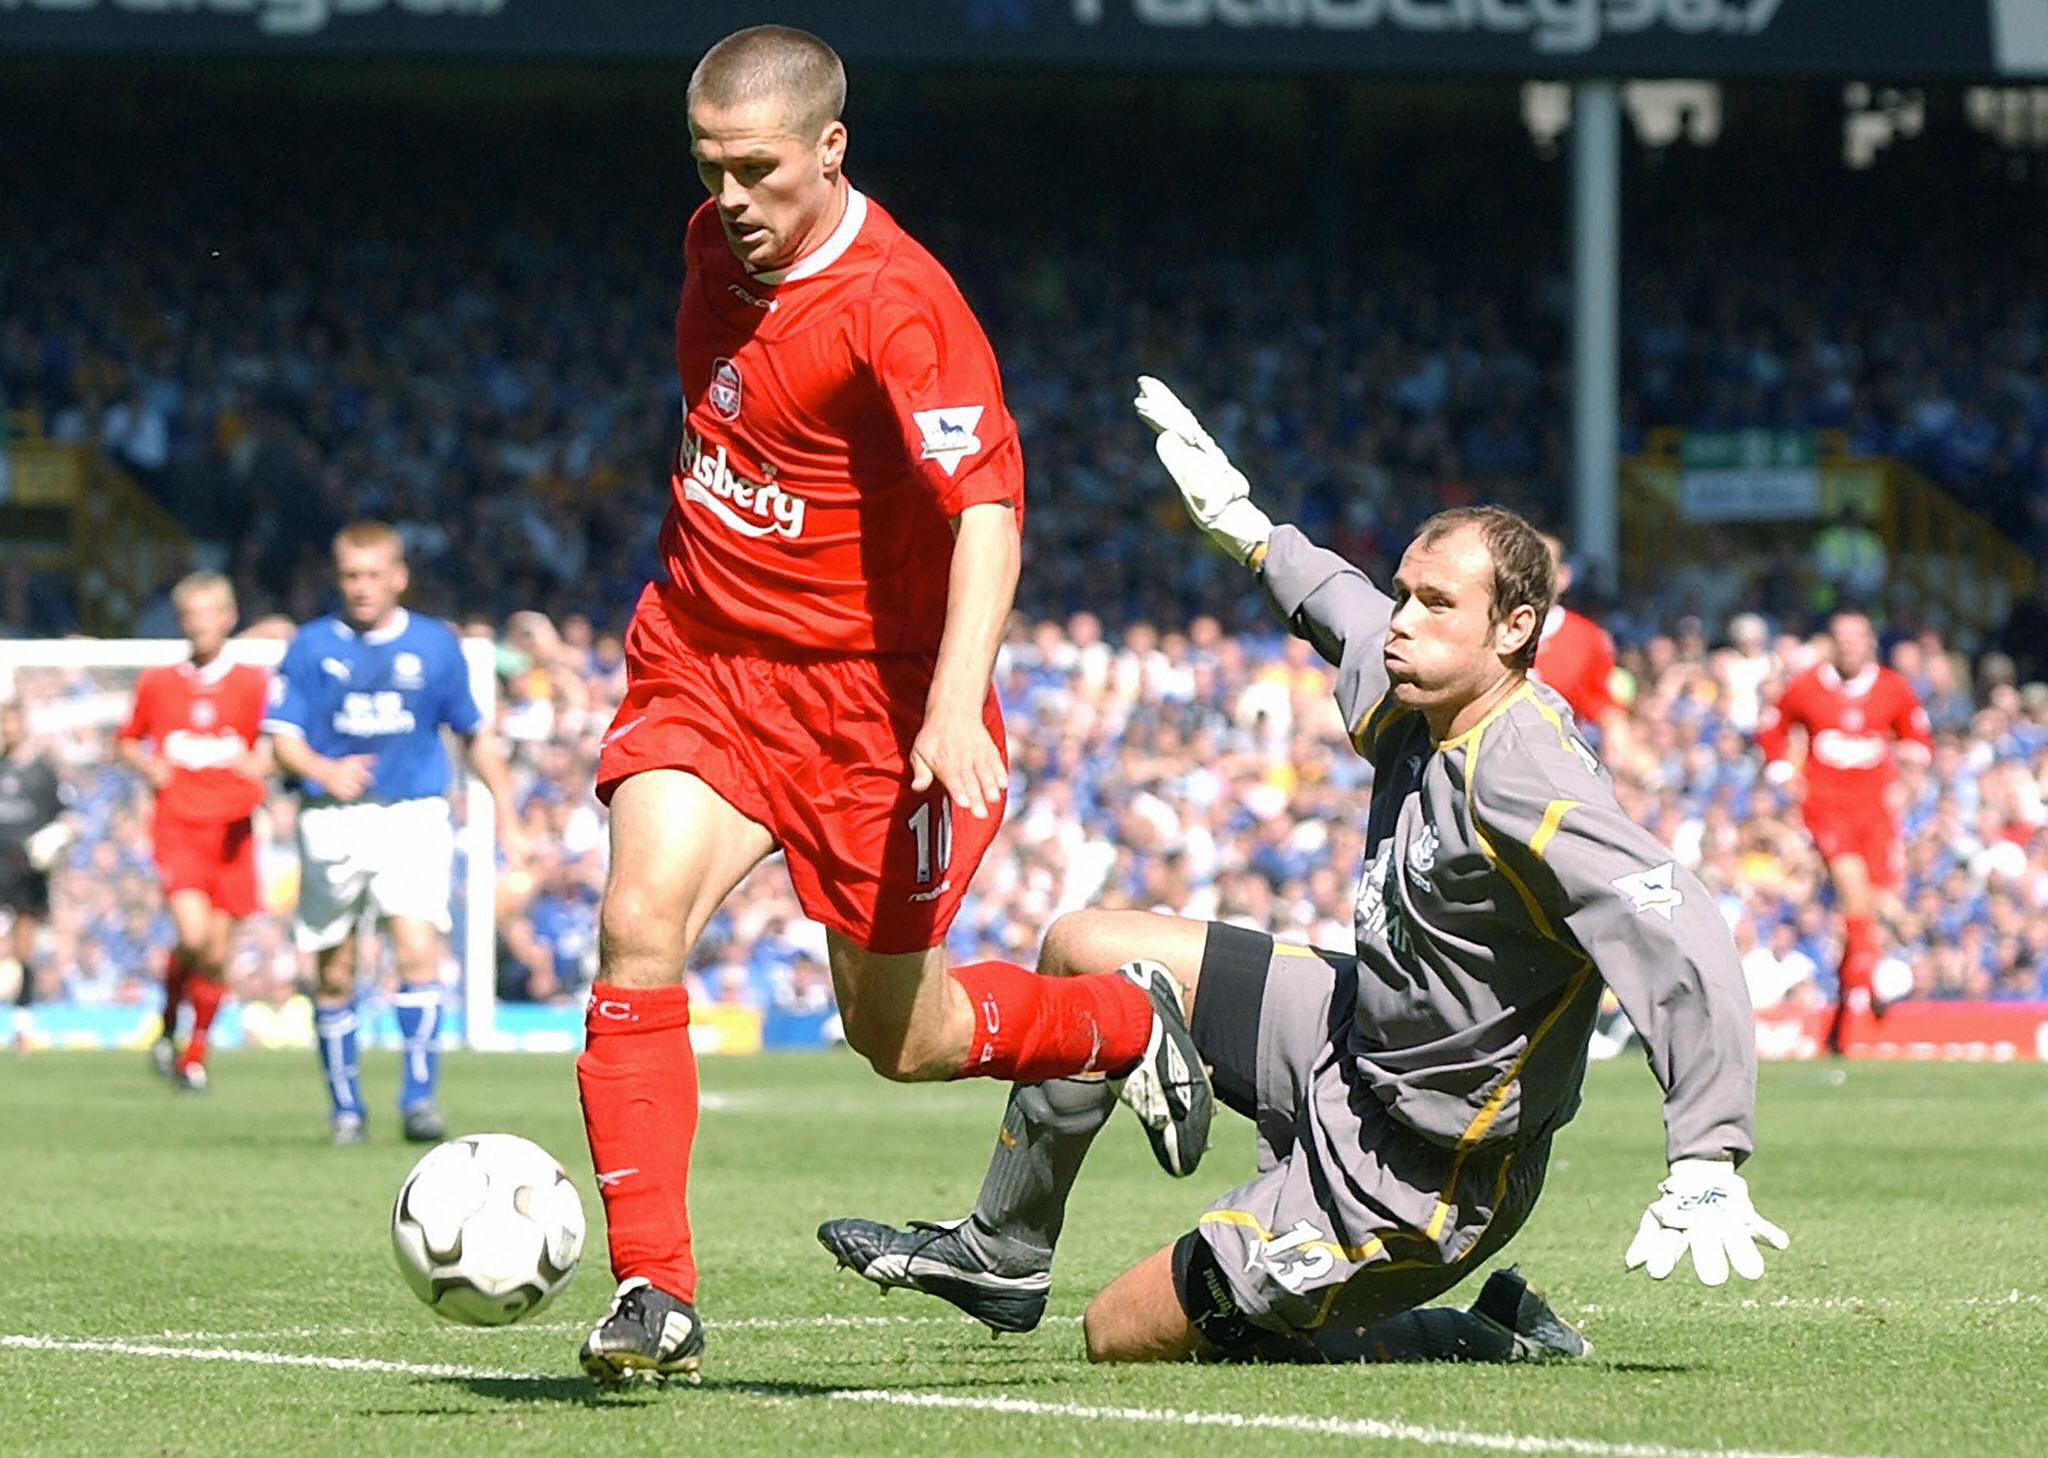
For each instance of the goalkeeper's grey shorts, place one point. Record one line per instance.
(1352, 1216)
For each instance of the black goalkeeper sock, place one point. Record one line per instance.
(1431, 1334)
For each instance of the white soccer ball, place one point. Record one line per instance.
(487, 1228)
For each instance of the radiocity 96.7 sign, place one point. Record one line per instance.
(1898, 39)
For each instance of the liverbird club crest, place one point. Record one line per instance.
(724, 393)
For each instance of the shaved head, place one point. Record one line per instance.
(774, 63)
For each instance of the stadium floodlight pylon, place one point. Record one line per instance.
(80, 689)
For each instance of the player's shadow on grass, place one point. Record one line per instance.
(577, 1391)
(1650, 1369)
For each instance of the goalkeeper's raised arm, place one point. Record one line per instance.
(1319, 595)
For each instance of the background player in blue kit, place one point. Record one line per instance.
(356, 715)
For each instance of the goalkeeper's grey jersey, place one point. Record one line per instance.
(1502, 886)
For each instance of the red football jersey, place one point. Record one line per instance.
(1576, 657)
(1851, 729)
(836, 415)
(202, 720)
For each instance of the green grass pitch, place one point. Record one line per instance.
(186, 1275)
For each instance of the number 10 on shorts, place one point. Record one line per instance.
(934, 850)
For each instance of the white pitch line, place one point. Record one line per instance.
(1372, 1429)
(255, 1359)
(1369, 1428)
(1848, 1303)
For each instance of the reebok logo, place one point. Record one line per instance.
(949, 436)
(606, 1178)
(751, 508)
(620, 732)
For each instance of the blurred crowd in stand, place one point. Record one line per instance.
(1194, 770)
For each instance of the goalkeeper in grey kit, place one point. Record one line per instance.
(1405, 1092)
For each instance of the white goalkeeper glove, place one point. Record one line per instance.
(1703, 1207)
(45, 845)
(1217, 495)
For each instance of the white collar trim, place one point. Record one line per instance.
(399, 623)
(1855, 687)
(212, 673)
(830, 251)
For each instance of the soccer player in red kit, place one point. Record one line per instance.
(1857, 717)
(1575, 656)
(193, 735)
(814, 674)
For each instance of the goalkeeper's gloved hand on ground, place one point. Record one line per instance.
(1703, 1207)
(1216, 493)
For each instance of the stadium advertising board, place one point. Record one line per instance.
(1961, 39)
(1748, 475)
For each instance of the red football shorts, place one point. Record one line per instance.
(217, 857)
(1857, 830)
(818, 752)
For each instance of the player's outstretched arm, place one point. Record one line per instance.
(1215, 492)
(1655, 936)
(1320, 596)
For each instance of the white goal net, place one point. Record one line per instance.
(104, 945)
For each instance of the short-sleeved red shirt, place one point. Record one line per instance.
(1855, 729)
(202, 720)
(837, 415)
(1576, 657)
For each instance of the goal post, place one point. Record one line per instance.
(76, 693)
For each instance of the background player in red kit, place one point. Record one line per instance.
(193, 735)
(1575, 656)
(1852, 712)
(814, 674)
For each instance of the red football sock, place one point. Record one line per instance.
(638, 1076)
(177, 973)
(1852, 977)
(205, 997)
(1029, 1028)
(1859, 959)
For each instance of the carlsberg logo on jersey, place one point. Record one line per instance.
(190, 750)
(749, 507)
(1838, 750)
